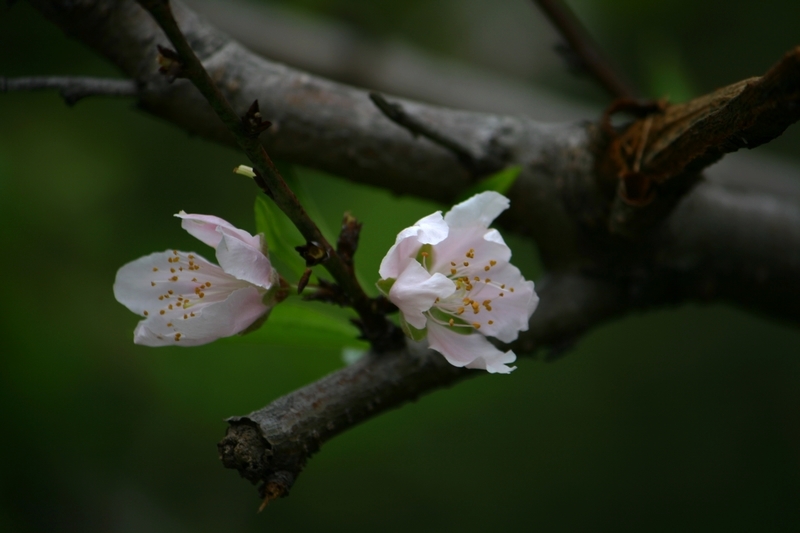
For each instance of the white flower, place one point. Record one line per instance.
(187, 300)
(451, 279)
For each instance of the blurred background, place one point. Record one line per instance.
(681, 419)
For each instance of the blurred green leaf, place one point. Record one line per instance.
(498, 182)
(298, 323)
(281, 237)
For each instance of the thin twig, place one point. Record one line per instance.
(376, 329)
(71, 88)
(397, 114)
(587, 50)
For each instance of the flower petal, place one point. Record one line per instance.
(206, 228)
(240, 259)
(428, 230)
(220, 319)
(416, 290)
(472, 351)
(470, 245)
(509, 313)
(140, 283)
(479, 210)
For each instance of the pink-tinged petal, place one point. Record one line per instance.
(203, 227)
(207, 229)
(210, 322)
(150, 282)
(480, 210)
(471, 351)
(429, 230)
(416, 290)
(497, 363)
(504, 316)
(243, 261)
(468, 245)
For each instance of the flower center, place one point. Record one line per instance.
(185, 288)
(471, 305)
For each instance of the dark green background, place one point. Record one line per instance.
(683, 419)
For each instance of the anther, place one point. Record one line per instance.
(451, 322)
(476, 325)
(492, 262)
(155, 269)
(187, 316)
(208, 283)
(161, 312)
(152, 283)
(453, 271)
(174, 278)
(202, 295)
(172, 270)
(146, 313)
(177, 337)
(491, 322)
(466, 263)
(169, 324)
(170, 291)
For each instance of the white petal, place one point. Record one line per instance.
(428, 230)
(206, 228)
(140, 283)
(472, 241)
(480, 210)
(238, 258)
(509, 313)
(472, 351)
(241, 308)
(496, 363)
(416, 290)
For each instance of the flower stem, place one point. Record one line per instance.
(381, 333)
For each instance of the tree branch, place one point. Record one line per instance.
(71, 88)
(587, 51)
(731, 240)
(381, 334)
(398, 115)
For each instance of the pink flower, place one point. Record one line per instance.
(452, 281)
(186, 300)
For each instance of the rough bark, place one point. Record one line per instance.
(734, 238)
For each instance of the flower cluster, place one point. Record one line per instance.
(186, 300)
(452, 281)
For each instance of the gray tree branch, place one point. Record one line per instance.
(734, 237)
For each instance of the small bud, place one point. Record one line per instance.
(313, 253)
(252, 121)
(244, 170)
(169, 63)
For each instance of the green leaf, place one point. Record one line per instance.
(281, 236)
(298, 323)
(499, 182)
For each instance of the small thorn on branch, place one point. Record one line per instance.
(301, 284)
(313, 253)
(169, 63)
(347, 244)
(253, 122)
